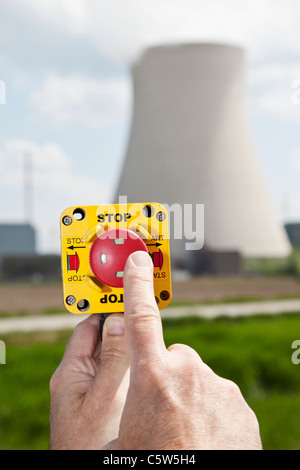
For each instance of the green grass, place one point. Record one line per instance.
(236, 300)
(255, 352)
(24, 390)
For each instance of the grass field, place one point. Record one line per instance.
(255, 352)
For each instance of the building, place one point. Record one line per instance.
(17, 239)
(19, 259)
(293, 231)
(191, 143)
(17, 242)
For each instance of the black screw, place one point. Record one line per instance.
(164, 295)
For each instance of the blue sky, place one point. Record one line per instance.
(66, 67)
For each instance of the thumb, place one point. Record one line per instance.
(142, 317)
(114, 356)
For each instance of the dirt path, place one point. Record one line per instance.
(44, 298)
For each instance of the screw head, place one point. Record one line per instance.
(164, 295)
(67, 220)
(160, 216)
(70, 300)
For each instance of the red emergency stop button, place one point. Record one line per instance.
(109, 253)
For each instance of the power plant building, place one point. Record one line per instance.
(191, 143)
(17, 239)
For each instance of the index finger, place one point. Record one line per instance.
(142, 318)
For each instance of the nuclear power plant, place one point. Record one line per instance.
(191, 143)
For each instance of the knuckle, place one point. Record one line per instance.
(78, 331)
(188, 357)
(141, 309)
(54, 383)
(82, 326)
(253, 420)
(232, 387)
(185, 351)
(112, 352)
(252, 417)
(233, 394)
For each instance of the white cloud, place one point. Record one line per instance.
(69, 15)
(52, 172)
(84, 100)
(121, 29)
(267, 28)
(47, 160)
(279, 104)
(275, 90)
(55, 186)
(262, 26)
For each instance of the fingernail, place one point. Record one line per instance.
(141, 259)
(114, 325)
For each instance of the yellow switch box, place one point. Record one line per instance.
(95, 243)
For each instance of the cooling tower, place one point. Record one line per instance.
(191, 143)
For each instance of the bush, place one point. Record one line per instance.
(289, 266)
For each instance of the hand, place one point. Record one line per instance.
(89, 388)
(175, 401)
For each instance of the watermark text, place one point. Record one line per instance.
(296, 354)
(186, 221)
(2, 352)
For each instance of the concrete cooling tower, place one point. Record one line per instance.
(191, 143)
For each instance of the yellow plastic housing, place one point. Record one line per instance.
(80, 226)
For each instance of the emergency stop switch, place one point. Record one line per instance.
(109, 253)
(95, 244)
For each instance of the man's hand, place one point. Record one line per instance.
(89, 388)
(174, 400)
